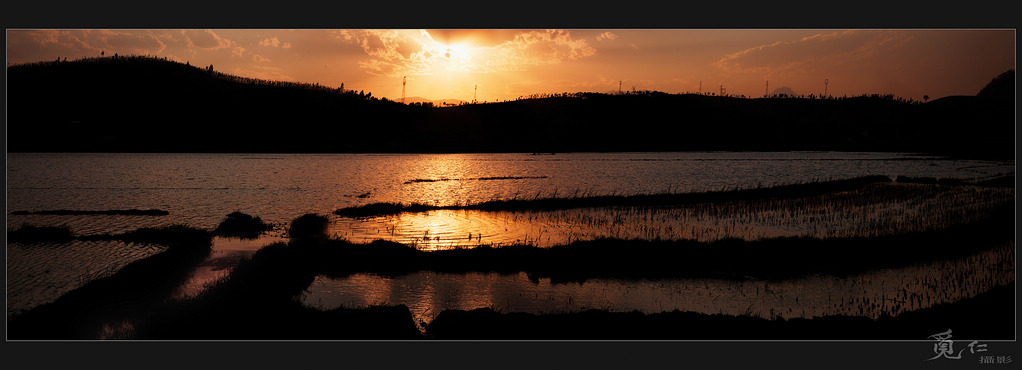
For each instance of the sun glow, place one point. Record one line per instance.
(458, 52)
(457, 57)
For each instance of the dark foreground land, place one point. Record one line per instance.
(986, 316)
(64, 106)
(259, 299)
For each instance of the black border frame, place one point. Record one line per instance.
(744, 14)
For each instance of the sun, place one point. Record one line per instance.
(458, 52)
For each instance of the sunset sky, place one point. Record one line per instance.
(506, 64)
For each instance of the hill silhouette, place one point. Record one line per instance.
(145, 104)
(1001, 87)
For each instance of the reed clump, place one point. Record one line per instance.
(309, 227)
(241, 225)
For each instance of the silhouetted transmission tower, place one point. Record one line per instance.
(404, 82)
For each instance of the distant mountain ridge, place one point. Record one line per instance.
(141, 104)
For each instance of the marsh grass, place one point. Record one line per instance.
(382, 209)
(982, 316)
(729, 258)
(309, 226)
(261, 297)
(173, 235)
(241, 225)
(413, 181)
(872, 209)
(642, 200)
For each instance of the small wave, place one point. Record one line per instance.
(119, 212)
(119, 188)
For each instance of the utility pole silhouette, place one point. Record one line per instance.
(404, 82)
(619, 87)
(474, 94)
(825, 83)
(767, 91)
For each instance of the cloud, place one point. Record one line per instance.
(78, 43)
(275, 43)
(606, 36)
(259, 59)
(544, 47)
(129, 42)
(395, 53)
(378, 67)
(819, 51)
(205, 39)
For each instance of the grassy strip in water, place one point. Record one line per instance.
(995, 181)
(121, 212)
(476, 178)
(31, 233)
(124, 296)
(169, 235)
(643, 200)
(380, 209)
(774, 258)
(983, 316)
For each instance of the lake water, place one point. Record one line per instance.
(200, 189)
